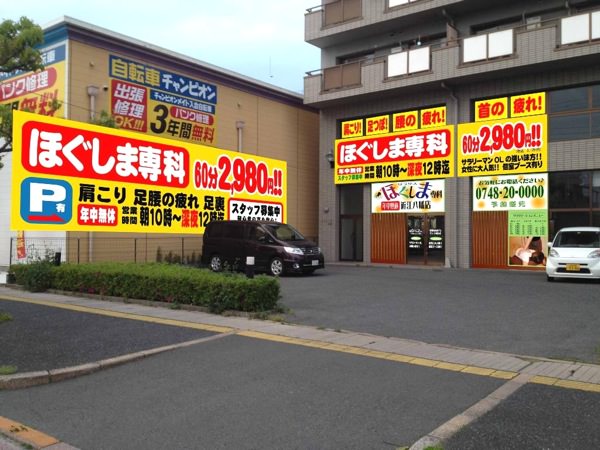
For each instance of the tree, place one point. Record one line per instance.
(18, 52)
(104, 119)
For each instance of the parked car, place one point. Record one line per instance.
(574, 253)
(277, 248)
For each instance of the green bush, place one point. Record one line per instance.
(37, 277)
(161, 282)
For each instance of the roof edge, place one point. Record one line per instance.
(72, 23)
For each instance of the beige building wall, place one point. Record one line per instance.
(271, 128)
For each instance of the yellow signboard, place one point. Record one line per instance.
(503, 147)
(493, 109)
(72, 176)
(406, 121)
(528, 104)
(152, 100)
(377, 125)
(352, 128)
(433, 117)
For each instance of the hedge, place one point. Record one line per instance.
(154, 281)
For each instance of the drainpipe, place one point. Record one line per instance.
(92, 92)
(456, 193)
(239, 125)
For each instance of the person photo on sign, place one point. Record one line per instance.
(529, 252)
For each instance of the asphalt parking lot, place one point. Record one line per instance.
(241, 393)
(507, 311)
(44, 338)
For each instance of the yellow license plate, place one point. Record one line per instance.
(572, 267)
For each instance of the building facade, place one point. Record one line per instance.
(91, 72)
(455, 132)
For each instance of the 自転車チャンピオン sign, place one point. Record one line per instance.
(73, 176)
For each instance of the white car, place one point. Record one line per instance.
(574, 253)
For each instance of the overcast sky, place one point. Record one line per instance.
(262, 39)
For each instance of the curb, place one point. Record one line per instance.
(21, 435)
(37, 378)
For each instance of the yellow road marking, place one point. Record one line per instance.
(378, 354)
(548, 381)
(424, 362)
(20, 432)
(450, 366)
(504, 375)
(400, 358)
(478, 371)
(579, 385)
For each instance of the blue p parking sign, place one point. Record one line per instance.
(46, 201)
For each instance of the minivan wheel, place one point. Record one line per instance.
(549, 278)
(276, 267)
(216, 263)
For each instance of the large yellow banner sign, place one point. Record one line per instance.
(414, 155)
(72, 176)
(503, 147)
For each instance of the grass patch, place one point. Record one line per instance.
(5, 317)
(8, 370)
(597, 353)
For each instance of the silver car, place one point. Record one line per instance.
(574, 253)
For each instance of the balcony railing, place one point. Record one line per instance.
(408, 62)
(530, 43)
(488, 46)
(341, 11)
(394, 3)
(342, 76)
(580, 28)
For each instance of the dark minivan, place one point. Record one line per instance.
(277, 248)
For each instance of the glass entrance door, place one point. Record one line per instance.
(351, 222)
(425, 239)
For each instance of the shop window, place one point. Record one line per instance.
(574, 113)
(569, 100)
(562, 219)
(566, 128)
(351, 199)
(596, 189)
(596, 124)
(596, 96)
(574, 199)
(569, 190)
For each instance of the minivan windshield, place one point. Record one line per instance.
(284, 232)
(586, 239)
